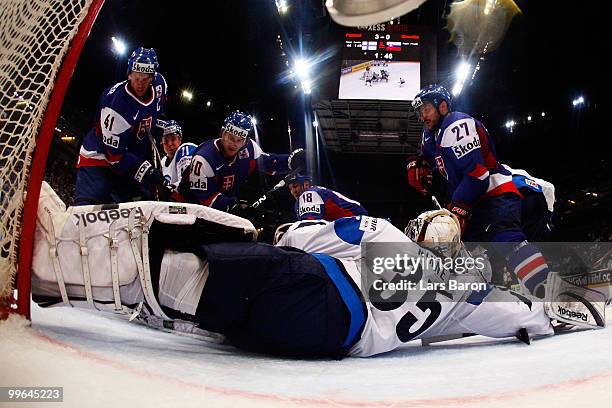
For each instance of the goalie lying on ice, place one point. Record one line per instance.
(194, 263)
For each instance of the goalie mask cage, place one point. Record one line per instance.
(40, 42)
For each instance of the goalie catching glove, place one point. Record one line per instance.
(419, 174)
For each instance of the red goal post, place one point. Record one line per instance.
(40, 43)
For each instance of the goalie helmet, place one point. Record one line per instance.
(438, 230)
(238, 124)
(143, 60)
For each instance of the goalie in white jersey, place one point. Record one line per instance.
(184, 261)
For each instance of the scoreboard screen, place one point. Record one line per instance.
(384, 64)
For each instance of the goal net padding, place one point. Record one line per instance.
(40, 42)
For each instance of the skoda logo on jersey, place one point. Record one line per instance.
(309, 209)
(144, 68)
(199, 184)
(236, 131)
(462, 149)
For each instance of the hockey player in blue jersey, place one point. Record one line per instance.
(115, 159)
(220, 166)
(320, 203)
(177, 154)
(484, 197)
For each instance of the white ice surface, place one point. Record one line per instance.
(99, 357)
(351, 87)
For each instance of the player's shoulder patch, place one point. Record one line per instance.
(310, 202)
(368, 224)
(521, 181)
(460, 135)
(199, 174)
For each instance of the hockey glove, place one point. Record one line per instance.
(419, 174)
(152, 177)
(297, 159)
(462, 211)
(242, 209)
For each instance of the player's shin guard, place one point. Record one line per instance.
(573, 304)
(529, 266)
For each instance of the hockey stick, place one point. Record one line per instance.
(277, 187)
(156, 159)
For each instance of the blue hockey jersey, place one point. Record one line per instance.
(320, 203)
(462, 151)
(214, 181)
(119, 139)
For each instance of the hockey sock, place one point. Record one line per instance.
(529, 266)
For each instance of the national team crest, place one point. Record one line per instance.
(228, 183)
(144, 127)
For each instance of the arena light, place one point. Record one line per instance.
(208, 104)
(187, 95)
(307, 86)
(457, 88)
(282, 6)
(119, 45)
(302, 68)
(578, 101)
(543, 114)
(462, 72)
(254, 120)
(315, 123)
(529, 118)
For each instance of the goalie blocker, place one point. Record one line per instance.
(178, 263)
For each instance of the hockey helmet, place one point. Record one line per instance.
(438, 230)
(298, 177)
(143, 60)
(171, 127)
(238, 124)
(433, 94)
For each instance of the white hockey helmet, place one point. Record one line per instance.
(437, 229)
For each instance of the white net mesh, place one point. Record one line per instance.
(34, 37)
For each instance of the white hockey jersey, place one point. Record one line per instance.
(173, 169)
(424, 312)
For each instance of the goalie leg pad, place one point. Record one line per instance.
(575, 305)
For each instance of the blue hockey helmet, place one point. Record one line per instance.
(172, 126)
(299, 178)
(143, 60)
(238, 124)
(433, 94)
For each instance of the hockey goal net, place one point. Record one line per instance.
(40, 41)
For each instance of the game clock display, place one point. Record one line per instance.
(380, 65)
